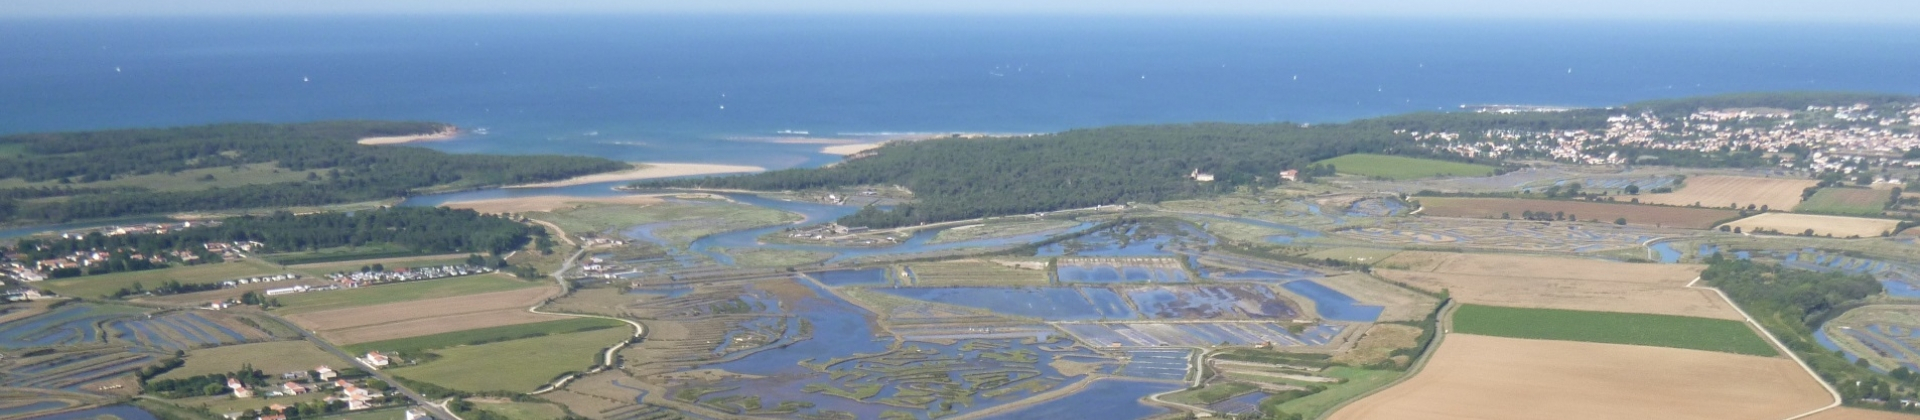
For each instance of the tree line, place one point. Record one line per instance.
(421, 229)
(343, 170)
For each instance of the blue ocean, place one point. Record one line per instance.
(716, 88)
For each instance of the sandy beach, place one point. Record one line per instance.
(547, 203)
(649, 170)
(447, 134)
(849, 149)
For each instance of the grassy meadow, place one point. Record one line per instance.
(106, 284)
(1848, 201)
(400, 292)
(1611, 327)
(1399, 167)
(514, 366)
(487, 335)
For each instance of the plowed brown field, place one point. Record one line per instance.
(421, 317)
(1559, 283)
(1636, 214)
(1479, 377)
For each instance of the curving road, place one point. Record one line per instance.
(607, 359)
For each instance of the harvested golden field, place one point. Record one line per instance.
(1558, 283)
(1479, 377)
(1850, 413)
(1721, 191)
(1379, 343)
(546, 203)
(1635, 214)
(1822, 225)
(399, 312)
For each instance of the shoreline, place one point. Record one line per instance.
(851, 149)
(444, 134)
(647, 170)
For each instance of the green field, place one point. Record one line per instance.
(514, 366)
(399, 292)
(1359, 381)
(1849, 201)
(273, 358)
(106, 284)
(522, 410)
(1611, 327)
(1356, 255)
(1398, 167)
(486, 335)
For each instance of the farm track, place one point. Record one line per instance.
(1837, 400)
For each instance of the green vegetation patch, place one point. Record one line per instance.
(1611, 327)
(273, 358)
(1358, 382)
(389, 293)
(485, 335)
(106, 284)
(514, 366)
(522, 410)
(1851, 201)
(1399, 167)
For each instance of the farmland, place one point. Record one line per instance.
(1512, 208)
(1848, 201)
(1399, 167)
(400, 292)
(106, 284)
(1723, 191)
(426, 316)
(515, 365)
(974, 273)
(1611, 327)
(273, 358)
(1821, 225)
(1481, 377)
(486, 335)
(1558, 283)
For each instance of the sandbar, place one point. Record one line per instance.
(547, 203)
(648, 170)
(444, 134)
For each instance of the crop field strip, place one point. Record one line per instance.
(1847, 201)
(1612, 327)
(1718, 191)
(1557, 282)
(1634, 214)
(1820, 224)
(514, 365)
(1499, 378)
(1502, 234)
(400, 292)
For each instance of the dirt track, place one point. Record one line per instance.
(1478, 377)
(1561, 283)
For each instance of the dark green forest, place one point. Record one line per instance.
(421, 229)
(954, 179)
(352, 172)
(957, 178)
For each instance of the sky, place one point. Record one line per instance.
(1880, 11)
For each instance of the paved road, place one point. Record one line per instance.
(438, 411)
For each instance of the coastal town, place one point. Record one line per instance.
(1845, 139)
